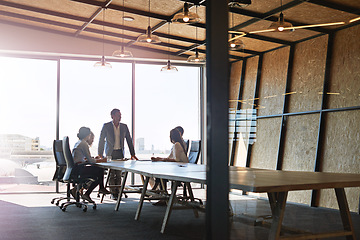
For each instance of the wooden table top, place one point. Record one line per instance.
(279, 181)
(246, 179)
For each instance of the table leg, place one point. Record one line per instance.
(277, 203)
(106, 184)
(345, 212)
(143, 192)
(174, 186)
(191, 196)
(121, 191)
(272, 201)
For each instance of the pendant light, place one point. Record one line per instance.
(186, 16)
(103, 63)
(235, 44)
(281, 25)
(122, 53)
(148, 37)
(196, 58)
(168, 68)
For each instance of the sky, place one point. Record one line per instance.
(87, 95)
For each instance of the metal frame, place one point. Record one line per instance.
(285, 109)
(217, 96)
(256, 94)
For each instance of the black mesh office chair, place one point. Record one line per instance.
(194, 152)
(60, 170)
(72, 176)
(187, 141)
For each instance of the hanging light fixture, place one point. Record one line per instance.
(122, 53)
(235, 43)
(281, 25)
(148, 37)
(186, 16)
(168, 68)
(103, 63)
(196, 58)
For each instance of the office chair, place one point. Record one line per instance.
(195, 150)
(72, 176)
(60, 170)
(194, 154)
(187, 141)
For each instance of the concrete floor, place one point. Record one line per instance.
(25, 216)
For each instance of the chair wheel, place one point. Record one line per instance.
(63, 209)
(52, 201)
(126, 196)
(94, 207)
(84, 208)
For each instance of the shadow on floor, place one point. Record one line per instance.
(21, 220)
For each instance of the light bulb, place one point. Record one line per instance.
(148, 40)
(281, 29)
(233, 45)
(186, 18)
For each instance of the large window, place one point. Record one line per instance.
(88, 95)
(164, 101)
(28, 98)
(27, 122)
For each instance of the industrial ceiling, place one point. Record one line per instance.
(103, 21)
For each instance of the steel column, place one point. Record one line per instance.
(256, 94)
(217, 96)
(321, 130)
(238, 108)
(283, 128)
(57, 110)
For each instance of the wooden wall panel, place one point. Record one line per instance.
(234, 84)
(342, 128)
(345, 69)
(264, 150)
(342, 153)
(300, 149)
(308, 75)
(249, 83)
(272, 84)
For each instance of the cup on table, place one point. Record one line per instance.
(108, 158)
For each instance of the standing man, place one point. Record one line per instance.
(112, 139)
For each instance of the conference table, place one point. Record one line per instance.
(275, 183)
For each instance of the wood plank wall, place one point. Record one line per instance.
(339, 138)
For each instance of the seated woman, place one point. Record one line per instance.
(178, 151)
(81, 155)
(177, 154)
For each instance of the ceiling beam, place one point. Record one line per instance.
(126, 9)
(83, 19)
(168, 18)
(38, 28)
(92, 18)
(106, 33)
(269, 17)
(336, 6)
